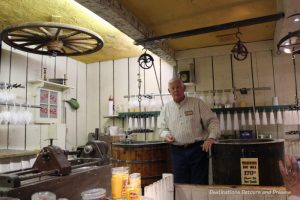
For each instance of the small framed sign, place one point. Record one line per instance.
(50, 102)
(185, 76)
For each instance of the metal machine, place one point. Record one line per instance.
(52, 171)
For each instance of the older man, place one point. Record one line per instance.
(191, 128)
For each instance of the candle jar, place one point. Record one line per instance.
(119, 181)
(43, 196)
(133, 193)
(94, 194)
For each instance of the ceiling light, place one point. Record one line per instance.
(295, 17)
(290, 43)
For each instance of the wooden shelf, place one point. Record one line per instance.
(50, 85)
(138, 114)
(111, 116)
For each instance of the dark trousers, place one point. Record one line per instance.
(190, 164)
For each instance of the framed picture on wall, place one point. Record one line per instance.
(185, 76)
(50, 106)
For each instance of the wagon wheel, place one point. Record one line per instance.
(55, 39)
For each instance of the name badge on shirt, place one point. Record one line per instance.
(189, 112)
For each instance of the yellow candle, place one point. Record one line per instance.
(119, 180)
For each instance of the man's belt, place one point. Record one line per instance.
(190, 145)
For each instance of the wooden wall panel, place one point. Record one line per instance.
(222, 72)
(71, 115)
(284, 79)
(242, 78)
(17, 136)
(60, 67)
(4, 77)
(48, 62)
(263, 77)
(120, 88)
(93, 101)
(81, 97)
(106, 90)
(33, 135)
(203, 75)
(167, 72)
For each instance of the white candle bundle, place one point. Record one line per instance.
(222, 122)
(235, 122)
(228, 122)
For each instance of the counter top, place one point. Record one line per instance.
(10, 153)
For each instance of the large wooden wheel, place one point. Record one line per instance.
(49, 38)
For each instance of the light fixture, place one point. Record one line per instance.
(295, 17)
(50, 38)
(290, 43)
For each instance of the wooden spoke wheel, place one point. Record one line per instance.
(49, 38)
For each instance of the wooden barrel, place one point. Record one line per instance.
(151, 159)
(247, 162)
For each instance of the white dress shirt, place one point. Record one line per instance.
(189, 121)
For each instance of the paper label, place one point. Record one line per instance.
(249, 171)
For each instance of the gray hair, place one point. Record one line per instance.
(173, 80)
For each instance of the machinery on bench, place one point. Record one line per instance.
(52, 171)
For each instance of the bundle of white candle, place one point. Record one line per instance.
(162, 189)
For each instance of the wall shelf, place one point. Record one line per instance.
(111, 116)
(139, 114)
(50, 85)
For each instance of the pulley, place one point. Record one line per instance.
(146, 61)
(239, 50)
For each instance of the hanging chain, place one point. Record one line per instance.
(139, 86)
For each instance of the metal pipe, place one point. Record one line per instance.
(220, 27)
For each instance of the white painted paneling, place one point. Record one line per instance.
(5, 62)
(49, 63)
(61, 66)
(263, 77)
(150, 78)
(3, 136)
(120, 87)
(242, 79)
(71, 137)
(44, 136)
(106, 85)
(203, 74)
(284, 79)
(93, 101)
(222, 72)
(18, 75)
(33, 137)
(81, 97)
(34, 67)
(133, 71)
(166, 75)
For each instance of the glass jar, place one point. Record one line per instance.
(43, 196)
(133, 192)
(135, 180)
(119, 180)
(94, 194)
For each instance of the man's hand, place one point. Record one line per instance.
(170, 138)
(290, 174)
(207, 144)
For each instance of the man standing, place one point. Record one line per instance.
(191, 128)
